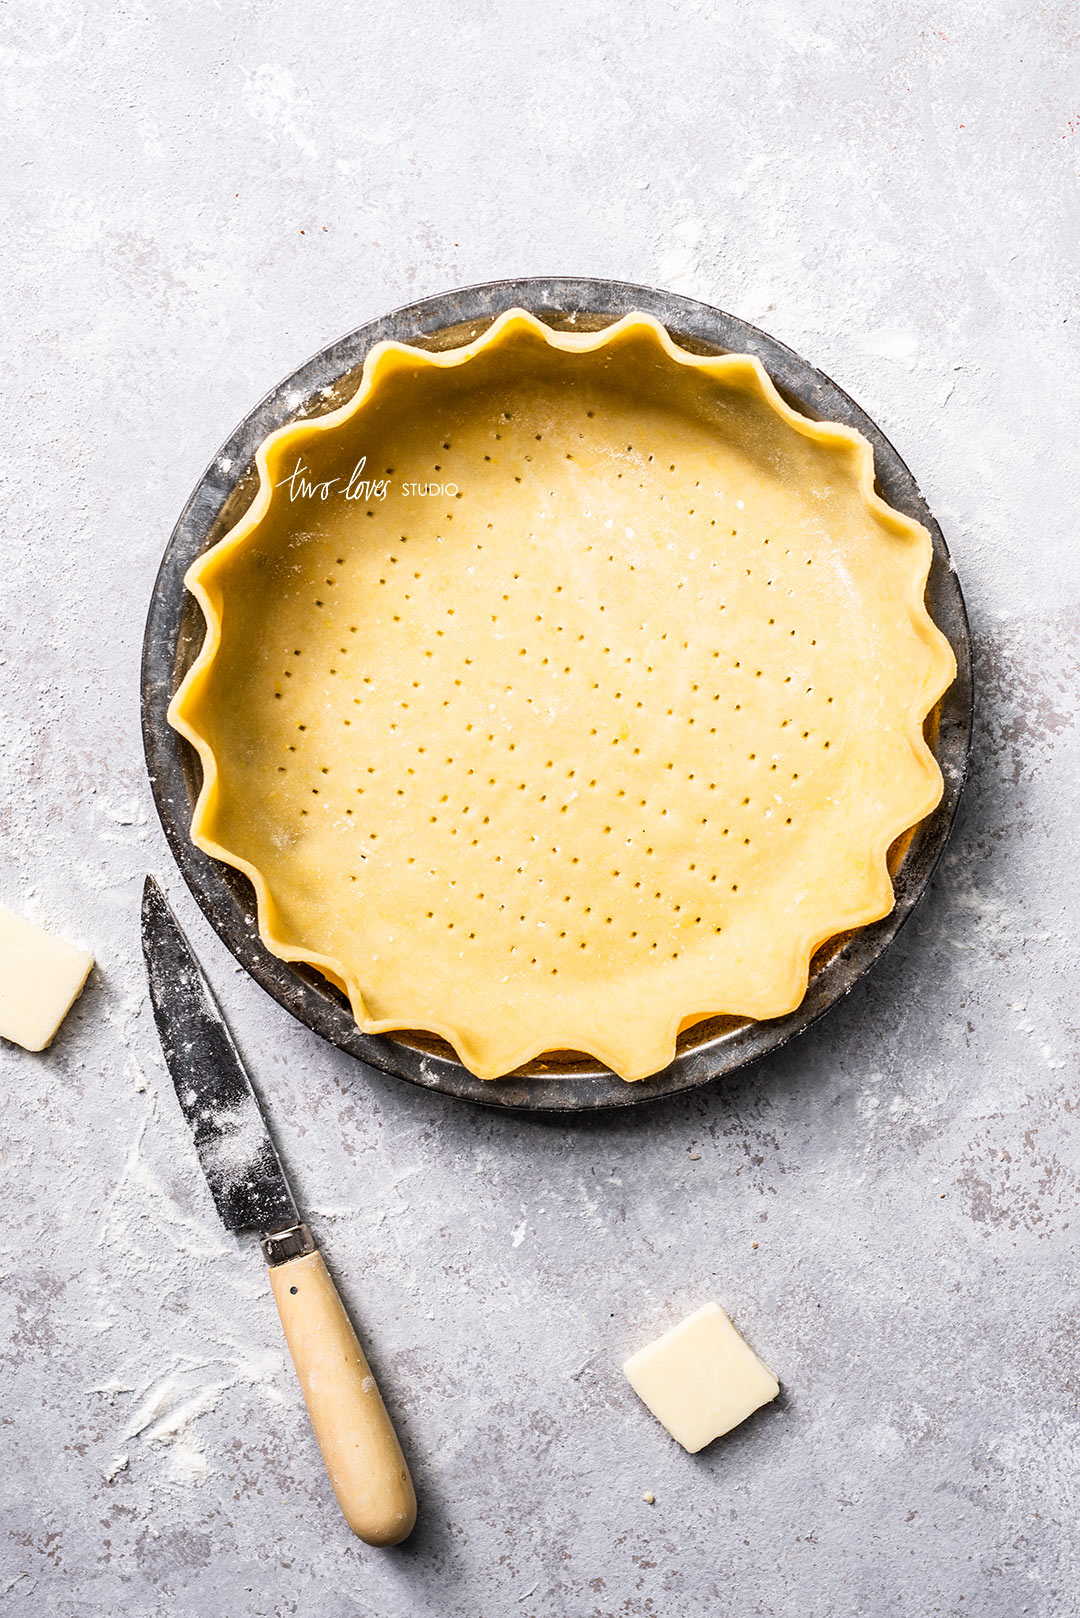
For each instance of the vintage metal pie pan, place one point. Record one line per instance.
(559, 1081)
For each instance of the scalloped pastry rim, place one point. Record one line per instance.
(941, 671)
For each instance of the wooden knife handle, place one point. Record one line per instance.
(358, 1442)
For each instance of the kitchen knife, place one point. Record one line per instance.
(248, 1184)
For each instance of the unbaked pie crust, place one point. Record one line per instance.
(605, 737)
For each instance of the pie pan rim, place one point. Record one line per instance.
(210, 514)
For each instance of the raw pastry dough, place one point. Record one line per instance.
(605, 736)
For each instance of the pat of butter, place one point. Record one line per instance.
(700, 1379)
(41, 977)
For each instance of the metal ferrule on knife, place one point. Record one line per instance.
(279, 1246)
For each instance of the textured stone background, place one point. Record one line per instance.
(196, 197)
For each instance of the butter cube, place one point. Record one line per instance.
(700, 1379)
(41, 977)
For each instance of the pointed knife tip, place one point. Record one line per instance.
(154, 903)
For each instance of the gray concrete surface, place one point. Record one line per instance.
(194, 199)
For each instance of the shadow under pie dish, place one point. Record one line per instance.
(604, 741)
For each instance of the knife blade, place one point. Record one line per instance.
(237, 1156)
(248, 1184)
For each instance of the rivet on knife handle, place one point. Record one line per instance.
(355, 1434)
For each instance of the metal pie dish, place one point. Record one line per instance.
(559, 1081)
